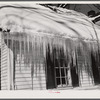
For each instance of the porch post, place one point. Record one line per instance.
(10, 68)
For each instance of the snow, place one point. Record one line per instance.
(39, 19)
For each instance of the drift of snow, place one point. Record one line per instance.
(38, 19)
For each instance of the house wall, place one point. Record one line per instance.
(20, 69)
(85, 78)
(25, 80)
(29, 65)
(85, 70)
(4, 59)
(23, 66)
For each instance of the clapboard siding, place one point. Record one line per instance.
(21, 79)
(4, 68)
(4, 88)
(4, 65)
(85, 72)
(28, 71)
(24, 78)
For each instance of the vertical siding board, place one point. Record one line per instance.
(11, 60)
(14, 61)
(15, 51)
(0, 60)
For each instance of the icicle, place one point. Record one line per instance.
(39, 55)
(20, 53)
(32, 71)
(14, 60)
(35, 54)
(25, 52)
(28, 56)
(31, 62)
(64, 48)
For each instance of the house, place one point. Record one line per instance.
(43, 49)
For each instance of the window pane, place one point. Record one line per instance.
(62, 72)
(56, 63)
(66, 71)
(61, 62)
(58, 81)
(63, 81)
(57, 73)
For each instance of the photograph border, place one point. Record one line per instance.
(51, 94)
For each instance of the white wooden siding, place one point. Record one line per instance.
(24, 79)
(3, 65)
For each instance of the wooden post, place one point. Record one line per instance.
(0, 59)
(10, 66)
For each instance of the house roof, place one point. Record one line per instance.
(36, 19)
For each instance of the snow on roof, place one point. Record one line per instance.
(33, 19)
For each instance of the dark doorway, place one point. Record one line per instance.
(95, 67)
(74, 73)
(74, 76)
(50, 74)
